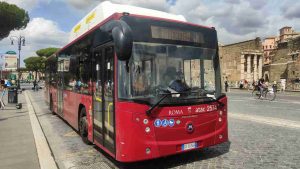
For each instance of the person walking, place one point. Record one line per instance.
(241, 84)
(226, 85)
(2, 83)
(261, 86)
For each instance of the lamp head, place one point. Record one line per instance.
(23, 41)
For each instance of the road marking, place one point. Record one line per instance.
(267, 120)
(46, 159)
(237, 100)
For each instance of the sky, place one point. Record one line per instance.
(234, 20)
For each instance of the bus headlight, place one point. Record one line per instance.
(148, 150)
(147, 129)
(145, 121)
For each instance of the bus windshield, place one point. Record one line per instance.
(156, 69)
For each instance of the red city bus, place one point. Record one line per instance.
(141, 87)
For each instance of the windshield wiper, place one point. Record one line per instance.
(149, 111)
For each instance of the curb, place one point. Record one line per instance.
(45, 157)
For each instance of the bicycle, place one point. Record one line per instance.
(267, 94)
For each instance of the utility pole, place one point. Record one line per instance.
(21, 42)
(1, 63)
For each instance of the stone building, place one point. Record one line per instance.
(287, 33)
(269, 44)
(286, 64)
(242, 61)
(281, 59)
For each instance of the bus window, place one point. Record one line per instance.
(153, 67)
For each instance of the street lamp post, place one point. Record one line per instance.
(1, 65)
(21, 42)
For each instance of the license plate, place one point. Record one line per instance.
(189, 146)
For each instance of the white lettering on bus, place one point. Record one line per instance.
(208, 108)
(175, 112)
(212, 107)
(200, 110)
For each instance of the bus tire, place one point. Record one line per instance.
(83, 126)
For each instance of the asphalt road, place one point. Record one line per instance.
(262, 134)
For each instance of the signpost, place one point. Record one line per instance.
(11, 61)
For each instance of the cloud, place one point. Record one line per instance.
(291, 11)
(237, 18)
(89, 4)
(39, 33)
(258, 4)
(232, 1)
(29, 5)
(82, 5)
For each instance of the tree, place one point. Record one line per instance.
(46, 52)
(36, 64)
(11, 18)
(23, 69)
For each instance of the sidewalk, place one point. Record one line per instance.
(17, 144)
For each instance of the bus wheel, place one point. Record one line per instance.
(83, 127)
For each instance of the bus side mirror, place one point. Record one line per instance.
(122, 37)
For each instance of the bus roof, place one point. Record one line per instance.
(106, 9)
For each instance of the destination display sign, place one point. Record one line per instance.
(176, 34)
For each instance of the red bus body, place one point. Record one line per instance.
(209, 121)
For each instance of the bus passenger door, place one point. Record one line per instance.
(60, 88)
(97, 97)
(104, 114)
(108, 96)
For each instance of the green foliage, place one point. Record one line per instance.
(11, 18)
(23, 69)
(46, 52)
(35, 63)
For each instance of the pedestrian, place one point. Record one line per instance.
(35, 85)
(282, 84)
(7, 83)
(241, 84)
(261, 86)
(274, 87)
(226, 85)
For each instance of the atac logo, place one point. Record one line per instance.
(175, 112)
